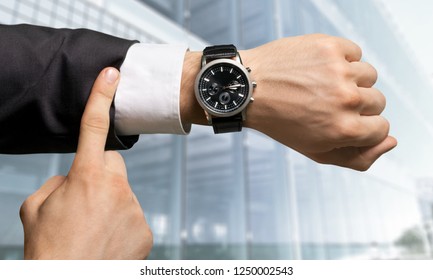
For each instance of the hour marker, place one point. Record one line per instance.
(205, 89)
(206, 79)
(207, 99)
(238, 77)
(242, 85)
(231, 70)
(225, 107)
(222, 69)
(212, 72)
(216, 104)
(234, 102)
(241, 95)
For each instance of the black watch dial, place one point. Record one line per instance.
(223, 88)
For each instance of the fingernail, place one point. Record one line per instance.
(111, 75)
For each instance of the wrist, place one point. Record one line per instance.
(190, 110)
(254, 111)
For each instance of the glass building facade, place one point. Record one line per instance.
(250, 197)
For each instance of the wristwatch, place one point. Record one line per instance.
(224, 88)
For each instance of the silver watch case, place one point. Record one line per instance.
(209, 110)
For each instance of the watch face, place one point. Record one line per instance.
(223, 88)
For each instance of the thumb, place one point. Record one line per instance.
(31, 205)
(358, 158)
(95, 122)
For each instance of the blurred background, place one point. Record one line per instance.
(249, 197)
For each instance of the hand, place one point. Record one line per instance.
(92, 213)
(315, 96)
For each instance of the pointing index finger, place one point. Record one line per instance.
(95, 122)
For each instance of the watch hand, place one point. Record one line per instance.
(232, 86)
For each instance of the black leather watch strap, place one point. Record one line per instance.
(227, 124)
(223, 124)
(220, 51)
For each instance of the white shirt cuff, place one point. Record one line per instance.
(147, 98)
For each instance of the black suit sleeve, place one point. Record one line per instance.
(46, 76)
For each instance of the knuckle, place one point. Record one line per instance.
(340, 69)
(148, 234)
(363, 166)
(88, 172)
(114, 156)
(357, 49)
(351, 49)
(106, 94)
(87, 177)
(147, 240)
(329, 46)
(26, 208)
(23, 211)
(96, 124)
(319, 158)
(387, 127)
(121, 182)
(373, 71)
(371, 75)
(351, 98)
(347, 96)
(381, 131)
(120, 187)
(317, 37)
(346, 130)
(381, 101)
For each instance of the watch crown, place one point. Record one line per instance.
(254, 84)
(252, 99)
(248, 69)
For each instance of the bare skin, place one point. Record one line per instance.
(92, 212)
(313, 95)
